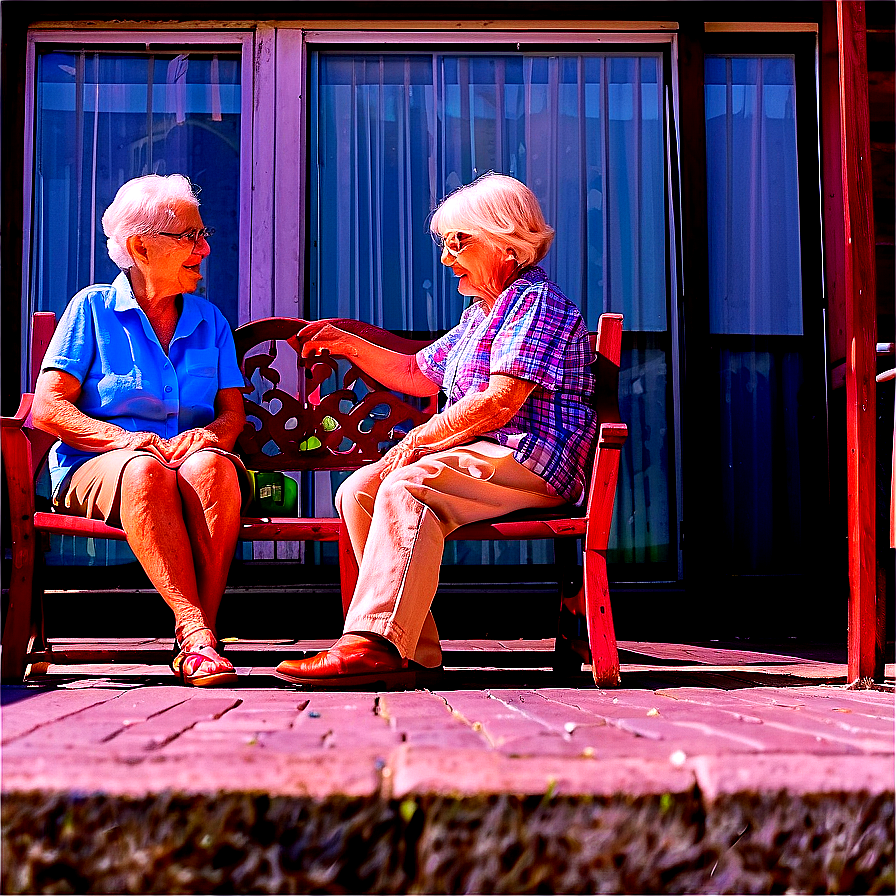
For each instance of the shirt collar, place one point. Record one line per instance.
(190, 315)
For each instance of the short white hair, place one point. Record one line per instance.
(500, 209)
(144, 205)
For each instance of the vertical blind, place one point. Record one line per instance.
(102, 118)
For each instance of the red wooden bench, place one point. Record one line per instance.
(323, 415)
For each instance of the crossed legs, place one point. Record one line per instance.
(397, 527)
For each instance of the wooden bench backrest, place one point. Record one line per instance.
(330, 415)
(43, 325)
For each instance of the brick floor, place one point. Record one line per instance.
(708, 722)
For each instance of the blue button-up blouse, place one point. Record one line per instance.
(105, 341)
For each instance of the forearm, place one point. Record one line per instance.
(471, 417)
(62, 419)
(226, 428)
(395, 370)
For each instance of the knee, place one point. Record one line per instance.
(146, 479)
(399, 485)
(208, 468)
(359, 488)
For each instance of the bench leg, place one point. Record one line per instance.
(601, 635)
(23, 541)
(17, 625)
(571, 643)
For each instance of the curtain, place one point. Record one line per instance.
(391, 134)
(103, 118)
(755, 311)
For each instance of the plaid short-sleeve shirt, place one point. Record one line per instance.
(536, 334)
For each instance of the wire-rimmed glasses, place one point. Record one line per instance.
(193, 235)
(454, 242)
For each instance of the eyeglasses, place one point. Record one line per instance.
(454, 242)
(190, 235)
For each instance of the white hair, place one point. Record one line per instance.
(143, 205)
(501, 210)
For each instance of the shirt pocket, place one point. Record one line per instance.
(112, 394)
(201, 362)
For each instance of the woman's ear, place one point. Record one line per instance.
(137, 248)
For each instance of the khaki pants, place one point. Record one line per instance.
(397, 527)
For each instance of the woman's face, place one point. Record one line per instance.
(483, 270)
(173, 264)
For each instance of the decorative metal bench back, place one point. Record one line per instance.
(323, 415)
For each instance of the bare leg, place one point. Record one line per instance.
(152, 516)
(210, 491)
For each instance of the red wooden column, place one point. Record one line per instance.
(856, 289)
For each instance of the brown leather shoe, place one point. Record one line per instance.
(348, 666)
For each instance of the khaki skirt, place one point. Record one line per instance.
(93, 489)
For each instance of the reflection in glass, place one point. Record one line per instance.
(103, 118)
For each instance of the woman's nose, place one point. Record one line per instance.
(202, 248)
(447, 258)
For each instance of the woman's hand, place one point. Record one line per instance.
(400, 455)
(186, 443)
(322, 336)
(395, 370)
(145, 441)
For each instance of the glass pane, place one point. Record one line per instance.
(755, 314)
(391, 134)
(759, 508)
(752, 196)
(103, 118)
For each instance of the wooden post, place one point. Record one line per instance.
(865, 654)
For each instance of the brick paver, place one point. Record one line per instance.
(706, 767)
(525, 740)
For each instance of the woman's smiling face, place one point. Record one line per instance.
(173, 265)
(483, 270)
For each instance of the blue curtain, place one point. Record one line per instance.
(755, 311)
(103, 118)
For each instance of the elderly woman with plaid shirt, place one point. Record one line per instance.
(516, 431)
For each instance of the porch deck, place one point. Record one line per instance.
(715, 768)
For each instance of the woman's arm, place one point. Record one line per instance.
(463, 421)
(54, 411)
(393, 369)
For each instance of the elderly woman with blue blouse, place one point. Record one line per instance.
(141, 386)
(516, 432)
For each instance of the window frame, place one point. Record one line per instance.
(704, 573)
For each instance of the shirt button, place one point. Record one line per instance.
(167, 388)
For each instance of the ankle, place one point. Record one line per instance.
(371, 640)
(195, 637)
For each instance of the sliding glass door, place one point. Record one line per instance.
(391, 133)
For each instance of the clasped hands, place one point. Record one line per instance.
(175, 449)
